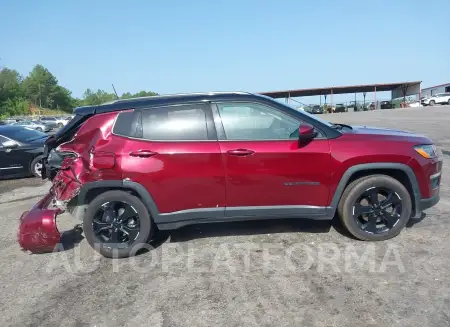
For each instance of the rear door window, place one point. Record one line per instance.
(192, 122)
(174, 123)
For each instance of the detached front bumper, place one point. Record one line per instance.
(38, 232)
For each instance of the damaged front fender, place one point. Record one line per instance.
(38, 232)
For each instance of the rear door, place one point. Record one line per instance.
(267, 172)
(173, 152)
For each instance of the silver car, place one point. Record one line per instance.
(34, 125)
(56, 122)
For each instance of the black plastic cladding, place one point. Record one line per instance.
(156, 101)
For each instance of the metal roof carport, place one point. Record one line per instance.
(402, 89)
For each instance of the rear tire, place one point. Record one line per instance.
(118, 249)
(59, 125)
(355, 224)
(39, 129)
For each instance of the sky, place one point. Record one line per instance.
(235, 45)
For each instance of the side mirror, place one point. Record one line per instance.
(306, 133)
(10, 144)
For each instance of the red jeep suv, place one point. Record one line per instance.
(131, 167)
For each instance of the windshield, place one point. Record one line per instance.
(310, 115)
(23, 135)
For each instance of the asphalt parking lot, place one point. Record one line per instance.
(270, 273)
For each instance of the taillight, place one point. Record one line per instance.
(102, 160)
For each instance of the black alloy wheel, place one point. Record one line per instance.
(377, 210)
(375, 207)
(117, 223)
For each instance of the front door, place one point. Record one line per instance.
(11, 159)
(267, 171)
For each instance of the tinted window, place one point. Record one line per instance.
(175, 123)
(251, 121)
(23, 134)
(128, 123)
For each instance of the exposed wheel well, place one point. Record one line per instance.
(397, 174)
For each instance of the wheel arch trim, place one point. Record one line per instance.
(374, 166)
(121, 184)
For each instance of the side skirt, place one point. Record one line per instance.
(168, 221)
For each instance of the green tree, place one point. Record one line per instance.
(62, 98)
(91, 98)
(9, 84)
(40, 87)
(128, 95)
(11, 97)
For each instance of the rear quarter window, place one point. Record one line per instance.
(129, 123)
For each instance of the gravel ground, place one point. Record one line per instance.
(266, 273)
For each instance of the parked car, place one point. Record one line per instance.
(440, 98)
(371, 106)
(34, 125)
(354, 105)
(10, 121)
(171, 161)
(54, 121)
(340, 108)
(385, 105)
(316, 109)
(21, 151)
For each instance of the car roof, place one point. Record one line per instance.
(9, 128)
(169, 99)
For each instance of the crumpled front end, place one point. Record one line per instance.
(38, 232)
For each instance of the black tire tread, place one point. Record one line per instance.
(144, 217)
(344, 206)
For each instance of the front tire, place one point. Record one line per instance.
(60, 125)
(36, 166)
(432, 103)
(375, 208)
(117, 224)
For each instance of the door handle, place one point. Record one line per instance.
(142, 153)
(240, 152)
